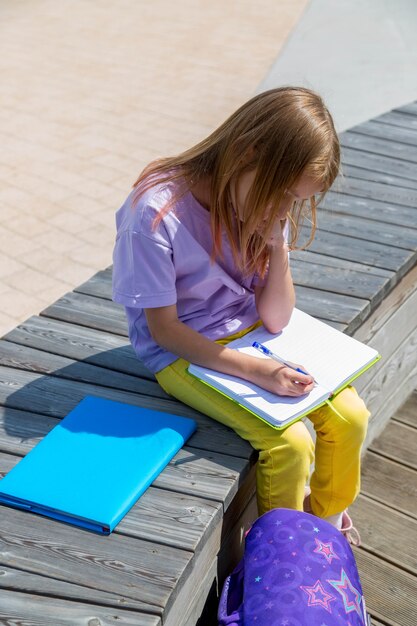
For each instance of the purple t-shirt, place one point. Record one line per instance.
(171, 265)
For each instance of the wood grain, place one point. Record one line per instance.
(26, 582)
(409, 109)
(363, 206)
(79, 343)
(90, 312)
(398, 118)
(39, 610)
(23, 357)
(401, 196)
(399, 443)
(142, 570)
(407, 413)
(390, 483)
(354, 171)
(376, 145)
(389, 592)
(389, 132)
(378, 524)
(372, 162)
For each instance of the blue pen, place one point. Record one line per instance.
(267, 352)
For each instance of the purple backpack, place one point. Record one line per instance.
(297, 570)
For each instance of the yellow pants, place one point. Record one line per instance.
(285, 455)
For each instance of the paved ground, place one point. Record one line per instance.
(361, 55)
(91, 90)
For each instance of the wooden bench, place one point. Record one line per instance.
(185, 533)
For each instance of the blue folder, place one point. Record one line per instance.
(92, 468)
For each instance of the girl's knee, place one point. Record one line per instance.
(296, 443)
(352, 412)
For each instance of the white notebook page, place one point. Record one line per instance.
(275, 409)
(330, 356)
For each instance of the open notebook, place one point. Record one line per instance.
(90, 469)
(331, 357)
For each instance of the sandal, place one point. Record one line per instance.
(349, 531)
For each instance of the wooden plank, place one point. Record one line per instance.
(98, 285)
(24, 357)
(389, 378)
(353, 171)
(14, 580)
(397, 442)
(340, 280)
(332, 306)
(245, 494)
(407, 413)
(368, 161)
(390, 593)
(378, 525)
(56, 397)
(79, 343)
(91, 312)
(29, 608)
(396, 485)
(397, 118)
(196, 613)
(377, 191)
(361, 230)
(142, 570)
(396, 309)
(206, 474)
(308, 256)
(410, 109)
(389, 212)
(21, 430)
(396, 134)
(173, 519)
(375, 145)
(375, 254)
(390, 329)
(233, 543)
(391, 405)
(49, 396)
(184, 608)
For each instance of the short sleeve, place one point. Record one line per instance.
(143, 270)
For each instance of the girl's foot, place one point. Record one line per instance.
(349, 531)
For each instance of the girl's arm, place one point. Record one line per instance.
(275, 301)
(176, 337)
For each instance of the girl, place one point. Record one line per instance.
(201, 258)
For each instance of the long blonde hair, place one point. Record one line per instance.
(282, 134)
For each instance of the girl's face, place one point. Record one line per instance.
(303, 189)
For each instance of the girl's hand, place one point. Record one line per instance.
(281, 380)
(276, 238)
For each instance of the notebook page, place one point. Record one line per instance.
(275, 409)
(329, 355)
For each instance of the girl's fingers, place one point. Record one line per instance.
(299, 388)
(299, 378)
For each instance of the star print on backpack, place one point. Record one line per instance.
(297, 570)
